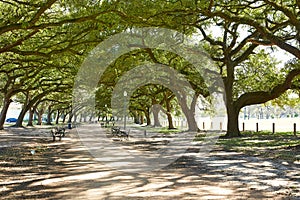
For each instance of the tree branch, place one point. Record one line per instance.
(259, 97)
(266, 33)
(18, 42)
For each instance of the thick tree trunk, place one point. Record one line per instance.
(190, 113)
(231, 105)
(232, 122)
(155, 111)
(142, 119)
(49, 116)
(21, 116)
(170, 121)
(148, 118)
(40, 116)
(136, 118)
(190, 117)
(192, 124)
(30, 119)
(4, 110)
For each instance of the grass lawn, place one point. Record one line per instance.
(283, 145)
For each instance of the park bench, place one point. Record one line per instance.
(117, 132)
(58, 132)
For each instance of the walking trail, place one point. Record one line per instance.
(34, 167)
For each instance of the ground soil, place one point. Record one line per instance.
(34, 167)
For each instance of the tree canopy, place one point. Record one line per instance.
(43, 44)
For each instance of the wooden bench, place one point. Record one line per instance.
(58, 132)
(117, 132)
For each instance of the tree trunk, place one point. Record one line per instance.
(71, 114)
(170, 121)
(142, 118)
(192, 124)
(30, 119)
(65, 116)
(40, 116)
(49, 115)
(155, 111)
(4, 110)
(168, 113)
(190, 112)
(147, 115)
(21, 116)
(232, 122)
(232, 108)
(136, 117)
(57, 117)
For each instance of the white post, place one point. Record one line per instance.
(125, 95)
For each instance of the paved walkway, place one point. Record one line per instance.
(68, 171)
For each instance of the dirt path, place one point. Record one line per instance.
(66, 170)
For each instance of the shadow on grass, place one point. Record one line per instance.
(278, 146)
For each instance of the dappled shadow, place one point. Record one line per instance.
(66, 170)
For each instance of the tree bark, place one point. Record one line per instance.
(232, 122)
(170, 121)
(168, 112)
(155, 111)
(57, 117)
(148, 118)
(190, 112)
(71, 114)
(30, 119)
(40, 116)
(4, 110)
(136, 117)
(142, 118)
(49, 115)
(231, 108)
(21, 116)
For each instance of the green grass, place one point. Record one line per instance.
(279, 145)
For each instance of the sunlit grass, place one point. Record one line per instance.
(281, 145)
